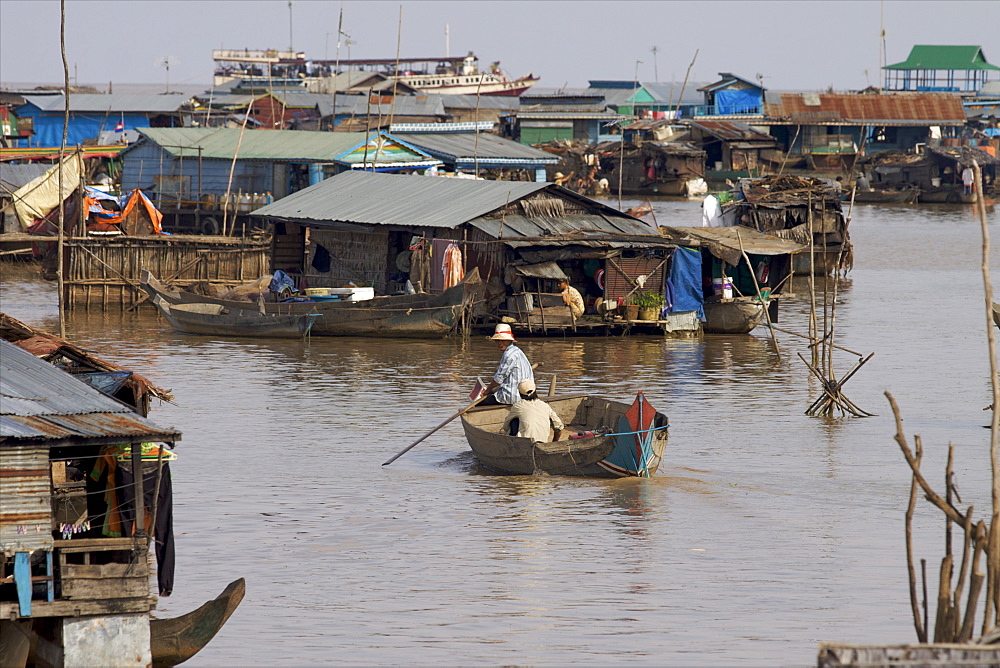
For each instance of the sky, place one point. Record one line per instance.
(789, 44)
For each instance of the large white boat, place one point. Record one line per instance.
(458, 75)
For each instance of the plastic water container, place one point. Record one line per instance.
(723, 287)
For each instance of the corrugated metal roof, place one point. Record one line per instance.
(291, 145)
(457, 146)
(365, 198)
(160, 104)
(589, 229)
(569, 115)
(899, 108)
(451, 101)
(13, 177)
(43, 402)
(731, 131)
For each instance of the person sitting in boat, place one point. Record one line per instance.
(571, 297)
(513, 368)
(531, 417)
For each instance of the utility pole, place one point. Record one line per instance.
(656, 70)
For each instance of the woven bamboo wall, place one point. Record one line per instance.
(360, 257)
(105, 272)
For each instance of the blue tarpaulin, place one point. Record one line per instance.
(684, 283)
(737, 101)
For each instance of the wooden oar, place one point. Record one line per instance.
(412, 445)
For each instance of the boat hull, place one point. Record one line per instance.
(736, 316)
(420, 315)
(905, 196)
(174, 641)
(218, 320)
(586, 457)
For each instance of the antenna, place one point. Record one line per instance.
(165, 62)
(656, 71)
(447, 41)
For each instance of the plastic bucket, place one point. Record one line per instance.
(727, 289)
(936, 182)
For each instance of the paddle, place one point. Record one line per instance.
(412, 445)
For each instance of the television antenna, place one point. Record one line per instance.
(165, 62)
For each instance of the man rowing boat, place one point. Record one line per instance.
(513, 368)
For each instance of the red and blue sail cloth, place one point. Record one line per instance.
(633, 452)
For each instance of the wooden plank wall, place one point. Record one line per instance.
(104, 273)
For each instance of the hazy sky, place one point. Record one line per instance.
(793, 44)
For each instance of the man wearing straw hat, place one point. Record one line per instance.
(513, 368)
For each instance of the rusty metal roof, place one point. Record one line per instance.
(895, 109)
(731, 131)
(40, 402)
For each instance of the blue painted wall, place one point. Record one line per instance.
(49, 125)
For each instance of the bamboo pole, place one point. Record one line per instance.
(753, 275)
(993, 553)
(62, 157)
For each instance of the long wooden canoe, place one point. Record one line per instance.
(174, 641)
(420, 315)
(733, 316)
(628, 440)
(219, 320)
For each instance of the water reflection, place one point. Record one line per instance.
(759, 514)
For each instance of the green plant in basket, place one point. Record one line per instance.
(647, 299)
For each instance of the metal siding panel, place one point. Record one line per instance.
(25, 498)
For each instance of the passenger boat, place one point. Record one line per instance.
(219, 320)
(733, 316)
(420, 315)
(616, 440)
(174, 641)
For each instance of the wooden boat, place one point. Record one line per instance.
(907, 195)
(418, 315)
(625, 440)
(174, 641)
(219, 320)
(996, 314)
(733, 316)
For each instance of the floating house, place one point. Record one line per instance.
(200, 177)
(827, 131)
(545, 118)
(658, 100)
(90, 115)
(64, 582)
(940, 68)
(731, 146)
(935, 174)
(731, 96)
(386, 231)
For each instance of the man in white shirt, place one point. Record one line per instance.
(531, 417)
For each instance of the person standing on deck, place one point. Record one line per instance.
(513, 368)
(968, 180)
(530, 417)
(571, 297)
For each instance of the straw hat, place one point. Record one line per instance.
(526, 386)
(502, 333)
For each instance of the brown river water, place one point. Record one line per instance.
(764, 533)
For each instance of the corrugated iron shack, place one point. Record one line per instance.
(388, 231)
(61, 575)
